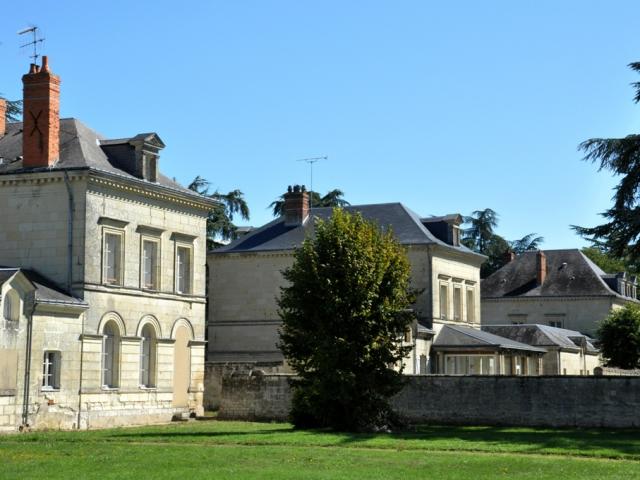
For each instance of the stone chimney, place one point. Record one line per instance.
(41, 113)
(296, 206)
(541, 267)
(3, 120)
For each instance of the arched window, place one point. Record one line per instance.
(110, 355)
(148, 357)
(11, 306)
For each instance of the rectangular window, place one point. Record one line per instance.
(518, 318)
(471, 307)
(51, 371)
(183, 270)
(457, 304)
(112, 260)
(444, 301)
(407, 335)
(150, 264)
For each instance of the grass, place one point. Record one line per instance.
(239, 450)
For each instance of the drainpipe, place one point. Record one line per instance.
(81, 372)
(69, 232)
(27, 368)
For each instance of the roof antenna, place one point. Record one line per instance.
(33, 30)
(311, 161)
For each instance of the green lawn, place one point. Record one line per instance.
(237, 450)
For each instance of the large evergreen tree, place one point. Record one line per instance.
(220, 226)
(14, 110)
(621, 156)
(619, 336)
(344, 312)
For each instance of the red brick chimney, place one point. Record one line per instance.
(541, 267)
(509, 256)
(3, 120)
(41, 113)
(296, 205)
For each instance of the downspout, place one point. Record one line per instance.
(27, 368)
(81, 372)
(69, 232)
(70, 212)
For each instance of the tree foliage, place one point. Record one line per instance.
(333, 198)
(344, 313)
(608, 262)
(480, 237)
(619, 336)
(621, 156)
(220, 224)
(14, 110)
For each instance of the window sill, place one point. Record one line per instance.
(112, 285)
(109, 389)
(148, 389)
(49, 390)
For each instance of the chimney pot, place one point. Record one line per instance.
(541, 267)
(296, 206)
(41, 115)
(3, 119)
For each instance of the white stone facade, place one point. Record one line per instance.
(47, 216)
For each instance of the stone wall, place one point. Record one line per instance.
(617, 372)
(558, 401)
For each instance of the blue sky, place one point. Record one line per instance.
(444, 106)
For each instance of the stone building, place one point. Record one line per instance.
(103, 293)
(559, 288)
(245, 279)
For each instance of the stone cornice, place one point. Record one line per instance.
(41, 178)
(135, 292)
(549, 297)
(150, 190)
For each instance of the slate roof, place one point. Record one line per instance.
(275, 235)
(46, 290)
(79, 149)
(569, 273)
(543, 336)
(463, 338)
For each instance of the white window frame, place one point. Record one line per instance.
(110, 357)
(444, 302)
(471, 305)
(51, 363)
(189, 278)
(157, 280)
(457, 303)
(119, 278)
(148, 357)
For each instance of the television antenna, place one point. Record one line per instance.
(33, 43)
(311, 161)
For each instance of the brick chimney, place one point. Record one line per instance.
(509, 256)
(3, 120)
(41, 113)
(296, 205)
(541, 267)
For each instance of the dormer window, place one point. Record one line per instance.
(150, 168)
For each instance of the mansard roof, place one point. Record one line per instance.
(275, 235)
(569, 274)
(81, 148)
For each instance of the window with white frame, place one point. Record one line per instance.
(110, 355)
(51, 370)
(150, 264)
(183, 269)
(457, 304)
(11, 306)
(148, 357)
(113, 246)
(471, 306)
(444, 301)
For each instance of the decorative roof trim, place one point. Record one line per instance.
(112, 222)
(183, 237)
(148, 230)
